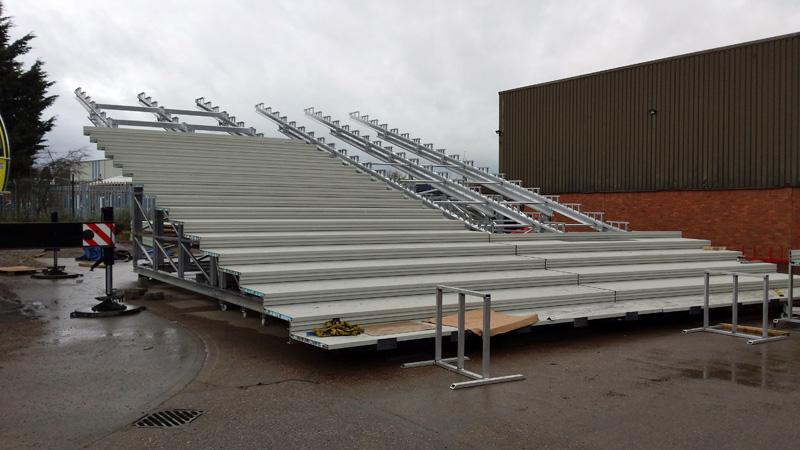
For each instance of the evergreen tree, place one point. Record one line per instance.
(23, 98)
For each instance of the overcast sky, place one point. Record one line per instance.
(432, 68)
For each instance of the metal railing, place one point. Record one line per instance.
(734, 326)
(476, 379)
(29, 200)
(547, 204)
(788, 313)
(294, 131)
(484, 206)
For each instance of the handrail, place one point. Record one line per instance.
(483, 177)
(452, 189)
(292, 130)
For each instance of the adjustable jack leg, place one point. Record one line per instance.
(111, 303)
(54, 272)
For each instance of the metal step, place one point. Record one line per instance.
(196, 226)
(211, 240)
(543, 300)
(309, 253)
(301, 212)
(331, 270)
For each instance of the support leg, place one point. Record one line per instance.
(438, 339)
(735, 304)
(487, 336)
(462, 306)
(765, 310)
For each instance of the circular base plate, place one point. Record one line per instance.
(55, 276)
(88, 313)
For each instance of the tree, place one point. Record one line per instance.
(23, 99)
(54, 171)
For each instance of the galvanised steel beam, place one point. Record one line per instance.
(475, 175)
(454, 190)
(96, 116)
(165, 120)
(293, 131)
(223, 117)
(154, 110)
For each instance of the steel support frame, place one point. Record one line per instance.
(251, 303)
(186, 261)
(494, 182)
(482, 378)
(293, 131)
(489, 208)
(752, 339)
(165, 120)
(185, 258)
(223, 118)
(788, 313)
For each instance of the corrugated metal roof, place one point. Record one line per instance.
(655, 61)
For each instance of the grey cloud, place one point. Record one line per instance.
(430, 67)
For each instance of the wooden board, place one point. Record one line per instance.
(384, 329)
(18, 270)
(498, 322)
(753, 330)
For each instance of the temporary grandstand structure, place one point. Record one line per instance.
(545, 205)
(293, 229)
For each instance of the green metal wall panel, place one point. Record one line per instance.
(725, 118)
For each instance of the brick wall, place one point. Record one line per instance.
(766, 218)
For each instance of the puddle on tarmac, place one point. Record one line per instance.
(774, 369)
(742, 374)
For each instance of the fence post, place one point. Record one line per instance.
(72, 196)
(158, 233)
(136, 217)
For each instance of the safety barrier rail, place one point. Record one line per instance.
(788, 313)
(734, 326)
(477, 379)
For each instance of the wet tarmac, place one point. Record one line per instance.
(613, 384)
(66, 382)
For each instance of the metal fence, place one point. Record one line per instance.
(33, 200)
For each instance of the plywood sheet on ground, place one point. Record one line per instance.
(499, 322)
(18, 270)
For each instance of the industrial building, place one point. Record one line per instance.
(707, 143)
(97, 170)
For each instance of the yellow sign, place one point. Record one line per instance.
(5, 156)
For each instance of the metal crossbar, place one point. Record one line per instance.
(734, 331)
(164, 116)
(481, 176)
(476, 379)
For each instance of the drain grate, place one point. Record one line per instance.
(169, 418)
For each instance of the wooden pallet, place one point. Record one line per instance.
(18, 270)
